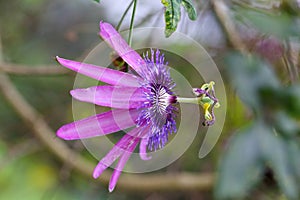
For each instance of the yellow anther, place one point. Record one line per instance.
(207, 114)
(206, 106)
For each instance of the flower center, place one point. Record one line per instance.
(160, 98)
(157, 112)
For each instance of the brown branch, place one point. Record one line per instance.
(224, 17)
(18, 69)
(41, 129)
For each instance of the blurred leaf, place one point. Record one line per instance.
(291, 97)
(98, 1)
(32, 5)
(172, 15)
(3, 150)
(250, 76)
(286, 125)
(274, 150)
(290, 7)
(294, 152)
(278, 24)
(249, 153)
(241, 166)
(236, 115)
(286, 98)
(190, 9)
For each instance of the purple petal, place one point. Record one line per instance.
(103, 74)
(100, 124)
(111, 96)
(143, 149)
(115, 40)
(120, 147)
(120, 166)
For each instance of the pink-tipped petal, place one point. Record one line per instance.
(143, 149)
(115, 40)
(120, 166)
(103, 74)
(120, 147)
(100, 124)
(99, 169)
(111, 96)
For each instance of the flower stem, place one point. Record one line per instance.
(188, 100)
(131, 22)
(123, 16)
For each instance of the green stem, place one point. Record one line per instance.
(131, 23)
(188, 100)
(123, 16)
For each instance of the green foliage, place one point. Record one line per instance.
(285, 125)
(190, 9)
(291, 96)
(250, 76)
(281, 24)
(270, 141)
(275, 155)
(293, 150)
(241, 167)
(173, 13)
(98, 1)
(3, 149)
(249, 153)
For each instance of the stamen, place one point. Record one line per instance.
(205, 96)
(157, 110)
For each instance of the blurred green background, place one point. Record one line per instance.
(257, 156)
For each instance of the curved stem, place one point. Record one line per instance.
(123, 16)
